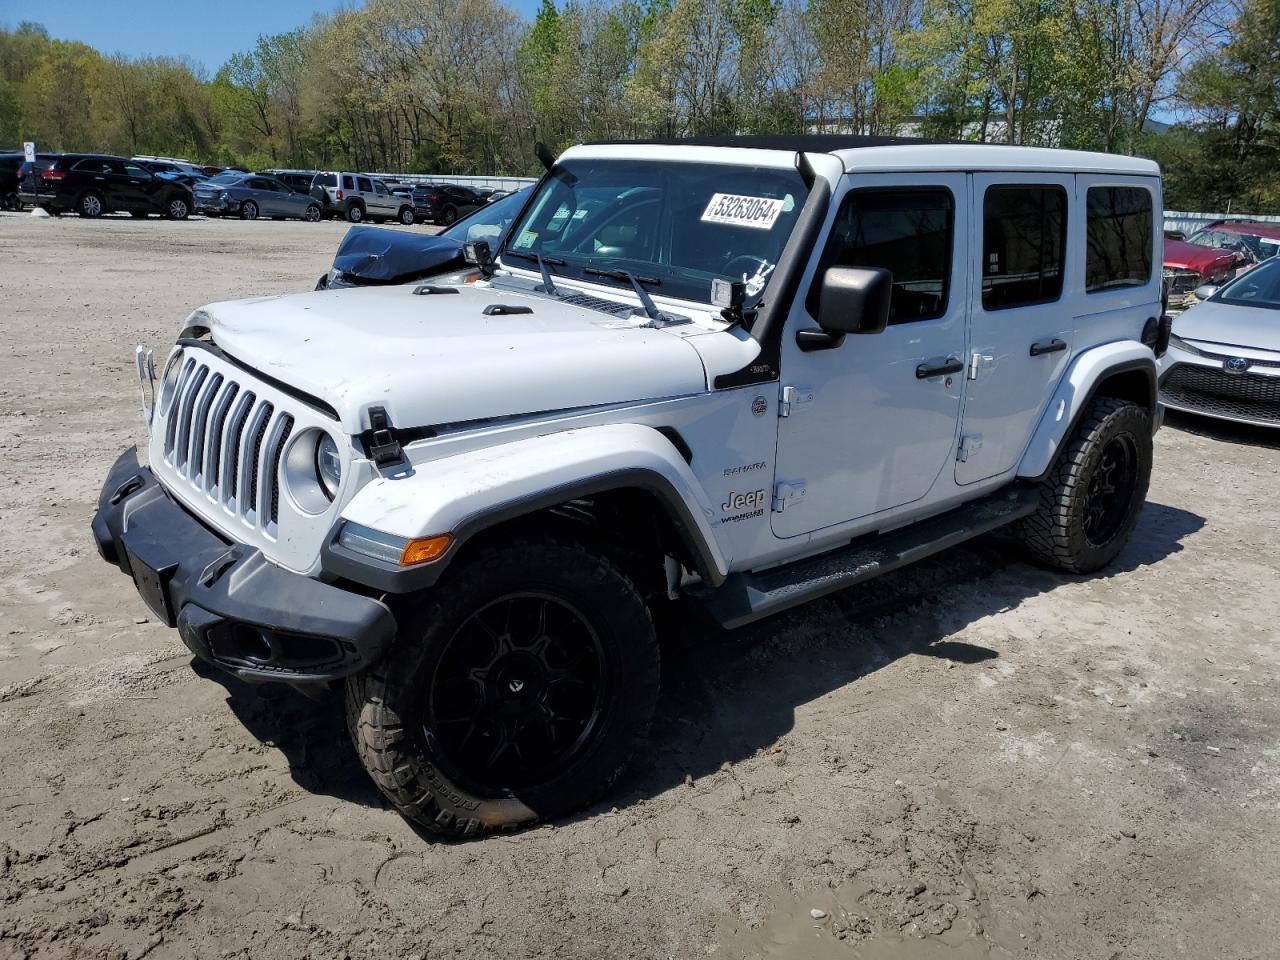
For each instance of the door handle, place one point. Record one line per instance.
(926, 370)
(1041, 347)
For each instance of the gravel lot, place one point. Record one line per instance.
(972, 758)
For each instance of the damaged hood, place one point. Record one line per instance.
(377, 254)
(438, 358)
(1206, 261)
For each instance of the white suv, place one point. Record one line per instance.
(359, 197)
(743, 374)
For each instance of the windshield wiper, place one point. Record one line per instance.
(547, 285)
(650, 308)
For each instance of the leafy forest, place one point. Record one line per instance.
(438, 86)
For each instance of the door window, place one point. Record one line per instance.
(257, 183)
(133, 170)
(92, 165)
(1024, 234)
(908, 233)
(365, 185)
(1119, 238)
(381, 188)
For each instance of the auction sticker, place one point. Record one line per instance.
(759, 213)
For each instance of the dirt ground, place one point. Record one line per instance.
(973, 758)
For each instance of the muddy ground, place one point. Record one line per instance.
(973, 758)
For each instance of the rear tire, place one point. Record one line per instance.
(1092, 495)
(248, 210)
(448, 216)
(355, 213)
(516, 692)
(90, 205)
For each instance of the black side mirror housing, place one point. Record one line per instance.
(855, 299)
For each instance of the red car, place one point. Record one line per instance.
(1216, 253)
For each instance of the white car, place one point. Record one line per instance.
(1224, 355)
(745, 374)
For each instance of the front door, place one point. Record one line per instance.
(872, 421)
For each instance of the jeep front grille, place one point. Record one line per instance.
(227, 442)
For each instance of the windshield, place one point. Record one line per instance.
(1256, 248)
(1259, 287)
(673, 226)
(489, 221)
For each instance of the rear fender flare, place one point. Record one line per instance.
(467, 493)
(1076, 390)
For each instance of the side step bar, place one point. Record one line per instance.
(745, 597)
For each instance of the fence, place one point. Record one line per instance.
(1189, 223)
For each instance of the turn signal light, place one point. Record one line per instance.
(424, 549)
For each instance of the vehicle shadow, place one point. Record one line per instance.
(311, 735)
(730, 694)
(1223, 430)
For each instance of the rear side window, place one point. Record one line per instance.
(907, 232)
(1024, 238)
(348, 182)
(1119, 238)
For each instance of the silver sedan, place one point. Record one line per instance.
(1224, 355)
(253, 195)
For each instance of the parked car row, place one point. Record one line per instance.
(95, 184)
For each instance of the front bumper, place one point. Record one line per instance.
(232, 606)
(1207, 385)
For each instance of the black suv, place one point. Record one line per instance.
(446, 202)
(92, 184)
(299, 181)
(9, 164)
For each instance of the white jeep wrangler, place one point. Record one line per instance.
(746, 372)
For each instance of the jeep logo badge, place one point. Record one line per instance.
(1236, 365)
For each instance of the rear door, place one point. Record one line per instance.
(1021, 323)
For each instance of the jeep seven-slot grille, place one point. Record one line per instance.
(227, 442)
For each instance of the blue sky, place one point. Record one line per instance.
(205, 31)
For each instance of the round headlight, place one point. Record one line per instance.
(169, 380)
(328, 465)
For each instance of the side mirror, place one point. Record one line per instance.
(1205, 291)
(855, 299)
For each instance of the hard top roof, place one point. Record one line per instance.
(857, 151)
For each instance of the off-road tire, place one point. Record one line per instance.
(1055, 534)
(382, 702)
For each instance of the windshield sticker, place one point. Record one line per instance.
(526, 240)
(759, 213)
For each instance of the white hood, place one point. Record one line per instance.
(439, 359)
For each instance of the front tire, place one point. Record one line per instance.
(312, 214)
(1091, 498)
(515, 693)
(406, 216)
(177, 209)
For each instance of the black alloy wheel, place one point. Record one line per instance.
(1110, 490)
(517, 695)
